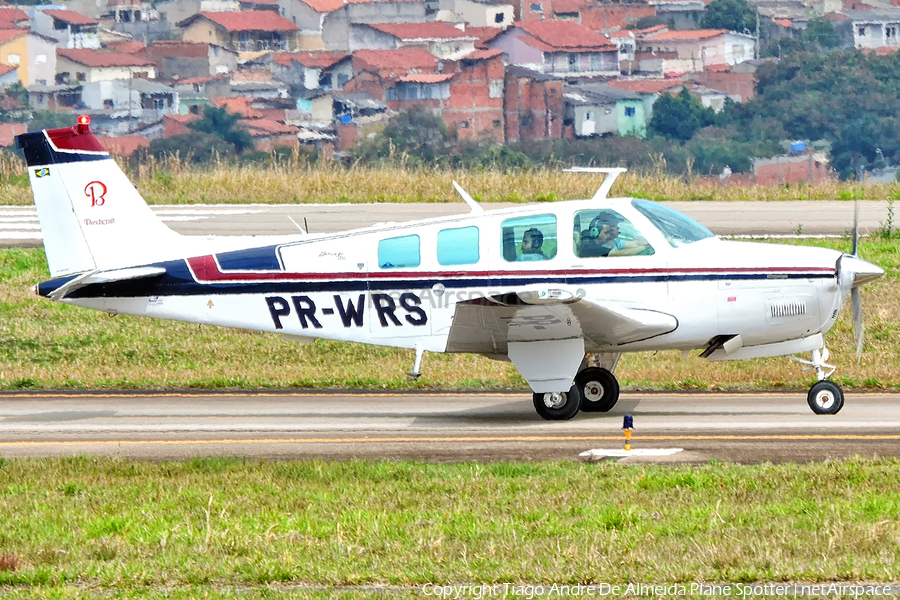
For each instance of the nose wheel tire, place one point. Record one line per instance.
(599, 389)
(558, 406)
(825, 398)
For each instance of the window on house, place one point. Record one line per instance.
(495, 88)
(108, 103)
(463, 125)
(737, 51)
(399, 252)
(527, 121)
(596, 62)
(536, 7)
(862, 32)
(457, 246)
(391, 93)
(13, 59)
(529, 238)
(59, 25)
(630, 111)
(890, 32)
(499, 17)
(81, 77)
(589, 115)
(40, 59)
(573, 62)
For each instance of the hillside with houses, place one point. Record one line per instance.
(325, 74)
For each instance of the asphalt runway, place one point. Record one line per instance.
(737, 427)
(19, 225)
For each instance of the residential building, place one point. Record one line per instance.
(648, 90)
(559, 48)
(54, 97)
(248, 31)
(176, 11)
(692, 51)
(810, 167)
(33, 55)
(441, 39)
(599, 109)
(12, 17)
(182, 60)
(125, 145)
(533, 105)
(8, 76)
(313, 70)
(131, 95)
(480, 13)
(87, 66)
(626, 42)
(680, 14)
(70, 29)
(325, 24)
(875, 28)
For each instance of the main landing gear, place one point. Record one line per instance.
(596, 390)
(824, 397)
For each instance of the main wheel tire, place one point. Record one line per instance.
(825, 398)
(558, 406)
(599, 389)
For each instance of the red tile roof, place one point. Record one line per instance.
(403, 60)
(202, 79)
(174, 49)
(266, 127)
(651, 30)
(94, 58)
(717, 68)
(328, 6)
(557, 34)
(686, 35)
(71, 17)
(247, 20)
(9, 34)
(9, 131)
(10, 16)
(313, 60)
(484, 34)
(426, 77)
(238, 105)
(644, 86)
(422, 31)
(882, 51)
(784, 22)
(622, 33)
(125, 145)
(482, 54)
(128, 47)
(4, 69)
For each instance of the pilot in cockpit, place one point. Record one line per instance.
(601, 238)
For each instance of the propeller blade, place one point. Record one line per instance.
(855, 226)
(858, 327)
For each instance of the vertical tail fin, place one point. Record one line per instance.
(91, 216)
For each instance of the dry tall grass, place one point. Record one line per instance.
(292, 181)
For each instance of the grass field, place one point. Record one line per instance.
(176, 182)
(143, 528)
(49, 345)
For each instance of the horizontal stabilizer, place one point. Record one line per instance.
(94, 277)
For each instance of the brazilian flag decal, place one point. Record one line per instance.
(45, 172)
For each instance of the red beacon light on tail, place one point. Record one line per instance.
(84, 124)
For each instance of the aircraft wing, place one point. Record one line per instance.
(486, 326)
(107, 276)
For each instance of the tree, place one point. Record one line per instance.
(197, 148)
(418, 132)
(222, 124)
(679, 117)
(820, 33)
(733, 15)
(44, 119)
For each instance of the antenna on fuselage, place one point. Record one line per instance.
(611, 174)
(476, 208)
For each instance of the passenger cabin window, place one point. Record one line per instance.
(607, 233)
(399, 252)
(457, 246)
(529, 238)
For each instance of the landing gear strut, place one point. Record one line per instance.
(824, 397)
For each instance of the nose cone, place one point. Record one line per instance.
(854, 272)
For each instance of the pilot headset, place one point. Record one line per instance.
(598, 222)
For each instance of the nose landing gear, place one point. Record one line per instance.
(824, 397)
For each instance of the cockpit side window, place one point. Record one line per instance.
(677, 228)
(529, 238)
(607, 233)
(399, 252)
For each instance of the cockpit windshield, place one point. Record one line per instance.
(677, 228)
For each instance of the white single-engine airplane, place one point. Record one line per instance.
(561, 290)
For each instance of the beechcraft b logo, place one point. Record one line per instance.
(45, 172)
(96, 191)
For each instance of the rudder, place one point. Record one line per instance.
(91, 216)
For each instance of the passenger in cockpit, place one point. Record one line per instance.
(532, 240)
